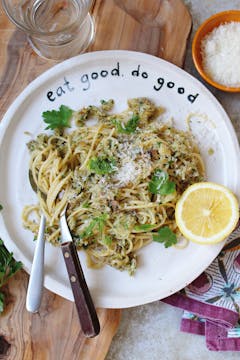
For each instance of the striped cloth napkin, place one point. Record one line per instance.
(211, 303)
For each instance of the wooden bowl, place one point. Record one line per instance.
(206, 27)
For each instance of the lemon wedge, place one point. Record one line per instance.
(207, 213)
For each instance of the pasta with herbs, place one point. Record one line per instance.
(121, 179)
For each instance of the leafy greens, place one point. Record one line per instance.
(98, 222)
(160, 183)
(144, 227)
(128, 128)
(8, 267)
(102, 166)
(57, 119)
(166, 236)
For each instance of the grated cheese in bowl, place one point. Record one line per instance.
(220, 51)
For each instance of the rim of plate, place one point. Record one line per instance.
(49, 282)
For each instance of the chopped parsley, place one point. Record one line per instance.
(102, 166)
(86, 205)
(1, 207)
(103, 102)
(166, 236)
(2, 297)
(160, 183)
(210, 151)
(8, 267)
(144, 227)
(128, 128)
(57, 119)
(107, 240)
(98, 222)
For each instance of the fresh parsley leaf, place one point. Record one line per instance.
(103, 102)
(1, 207)
(128, 128)
(166, 236)
(102, 166)
(158, 179)
(57, 119)
(160, 183)
(107, 240)
(8, 267)
(168, 188)
(88, 231)
(86, 205)
(1, 302)
(144, 227)
(101, 224)
(98, 222)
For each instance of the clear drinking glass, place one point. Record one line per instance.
(151, 12)
(56, 29)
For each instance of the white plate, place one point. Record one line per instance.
(85, 80)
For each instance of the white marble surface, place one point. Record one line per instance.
(151, 332)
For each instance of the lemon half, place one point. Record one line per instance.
(207, 213)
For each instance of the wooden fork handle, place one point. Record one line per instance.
(86, 311)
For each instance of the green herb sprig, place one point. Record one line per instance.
(160, 183)
(128, 128)
(107, 240)
(57, 119)
(144, 227)
(102, 166)
(98, 222)
(166, 236)
(8, 267)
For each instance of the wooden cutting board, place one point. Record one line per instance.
(54, 332)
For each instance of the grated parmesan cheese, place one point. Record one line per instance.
(127, 173)
(221, 54)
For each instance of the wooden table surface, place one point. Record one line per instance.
(53, 333)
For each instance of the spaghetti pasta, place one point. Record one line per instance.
(107, 174)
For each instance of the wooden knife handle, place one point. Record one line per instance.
(85, 307)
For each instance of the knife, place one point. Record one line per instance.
(85, 308)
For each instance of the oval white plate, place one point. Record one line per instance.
(85, 80)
